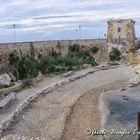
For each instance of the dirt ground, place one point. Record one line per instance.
(85, 114)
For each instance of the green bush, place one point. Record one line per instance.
(75, 48)
(13, 59)
(59, 61)
(61, 68)
(72, 61)
(68, 61)
(94, 49)
(115, 54)
(58, 69)
(27, 68)
(45, 62)
(70, 68)
(23, 68)
(4, 70)
(52, 68)
(92, 61)
(27, 83)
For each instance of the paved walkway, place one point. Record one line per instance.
(23, 95)
(47, 117)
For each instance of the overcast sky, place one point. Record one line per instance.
(59, 19)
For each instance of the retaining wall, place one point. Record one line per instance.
(42, 47)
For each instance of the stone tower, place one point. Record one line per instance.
(119, 29)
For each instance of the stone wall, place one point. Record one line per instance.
(42, 47)
(124, 42)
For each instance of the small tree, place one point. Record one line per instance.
(115, 54)
(94, 49)
(13, 61)
(27, 68)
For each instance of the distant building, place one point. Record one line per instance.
(119, 29)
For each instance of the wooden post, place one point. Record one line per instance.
(138, 123)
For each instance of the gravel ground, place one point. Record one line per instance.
(122, 108)
(46, 117)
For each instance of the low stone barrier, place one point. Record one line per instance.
(6, 91)
(5, 102)
(68, 74)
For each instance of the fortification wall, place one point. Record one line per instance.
(43, 47)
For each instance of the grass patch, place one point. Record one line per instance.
(115, 54)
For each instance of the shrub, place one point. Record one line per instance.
(23, 68)
(44, 63)
(52, 68)
(27, 68)
(61, 68)
(115, 54)
(94, 49)
(68, 61)
(59, 61)
(4, 70)
(13, 59)
(86, 53)
(58, 69)
(27, 83)
(75, 48)
(92, 61)
(70, 68)
(83, 55)
(72, 61)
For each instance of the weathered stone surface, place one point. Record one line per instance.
(5, 79)
(68, 74)
(39, 77)
(137, 69)
(5, 124)
(17, 137)
(7, 100)
(135, 81)
(15, 88)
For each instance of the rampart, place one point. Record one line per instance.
(43, 47)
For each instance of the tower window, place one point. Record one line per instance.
(119, 29)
